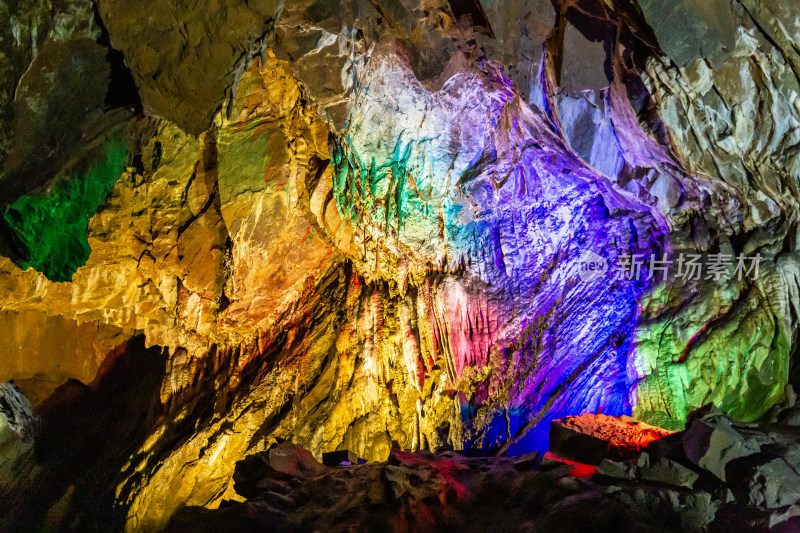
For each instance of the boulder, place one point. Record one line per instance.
(666, 471)
(711, 441)
(16, 414)
(281, 462)
(616, 469)
(591, 438)
(18, 428)
(774, 484)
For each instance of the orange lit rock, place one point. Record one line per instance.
(591, 438)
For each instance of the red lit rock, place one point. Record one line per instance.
(591, 438)
(579, 470)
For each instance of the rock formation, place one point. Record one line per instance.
(665, 486)
(375, 225)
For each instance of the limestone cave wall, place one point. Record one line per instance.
(361, 224)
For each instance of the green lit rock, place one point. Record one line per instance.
(50, 227)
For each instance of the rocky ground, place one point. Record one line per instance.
(716, 475)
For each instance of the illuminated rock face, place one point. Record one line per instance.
(363, 225)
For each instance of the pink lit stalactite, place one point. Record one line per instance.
(469, 331)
